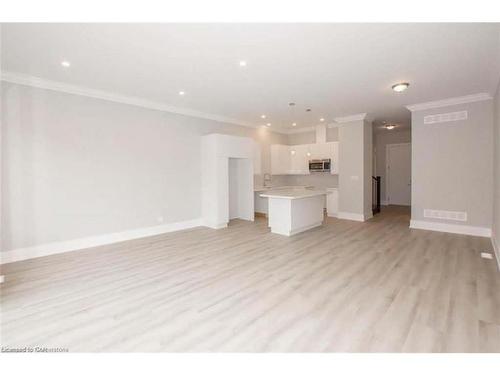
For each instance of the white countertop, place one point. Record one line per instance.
(269, 188)
(293, 193)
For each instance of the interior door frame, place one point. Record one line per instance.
(387, 147)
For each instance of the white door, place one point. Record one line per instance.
(398, 174)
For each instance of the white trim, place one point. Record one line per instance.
(450, 101)
(351, 216)
(88, 242)
(351, 118)
(496, 249)
(387, 146)
(384, 203)
(451, 228)
(32, 81)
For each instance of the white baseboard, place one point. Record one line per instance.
(384, 203)
(88, 242)
(351, 216)
(451, 228)
(496, 248)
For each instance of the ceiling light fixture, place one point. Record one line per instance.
(182, 93)
(262, 116)
(268, 124)
(65, 64)
(399, 87)
(321, 119)
(390, 127)
(243, 63)
(308, 153)
(294, 124)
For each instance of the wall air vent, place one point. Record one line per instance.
(446, 117)
(445, 215)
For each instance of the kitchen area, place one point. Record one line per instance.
(302, 185)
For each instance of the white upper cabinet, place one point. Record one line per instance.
(257, 159)
(335, 158)
(280, 159)
(295, 159)
(299, 161)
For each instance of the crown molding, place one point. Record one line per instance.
(306, 129)
(351, 118)
(27, 80)
(450, 101)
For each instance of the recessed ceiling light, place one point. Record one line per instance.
(65, 63)
(294, 124)
(399, 87)
(389, 127)
(268, 124)
(263, 116)
(321, 119)
(308, 153)
(243, 63)
(182, 93)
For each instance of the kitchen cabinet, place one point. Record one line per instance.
(332, 202)
(257, 159)
(294, 160)
(335, 158)
(280, 159)
(299, 161)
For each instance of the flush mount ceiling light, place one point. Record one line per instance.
(268, 124)
(389, 126)
(243, 63)
(262, 116)
(399, 87)
(182, 93)
(65, 63)
(321, 119)
(294, 124)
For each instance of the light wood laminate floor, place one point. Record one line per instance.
(345, 286)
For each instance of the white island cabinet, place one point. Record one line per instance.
(294, 210)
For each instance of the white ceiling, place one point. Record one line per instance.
(334, 69)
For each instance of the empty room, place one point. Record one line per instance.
(250, 187)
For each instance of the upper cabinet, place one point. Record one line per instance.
(257, 158)
(295, 159)
(335, 158)
(280, 159)
(299, 160)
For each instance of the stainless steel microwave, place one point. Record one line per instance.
(320, 165)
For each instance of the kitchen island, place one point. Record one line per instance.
(294, 210)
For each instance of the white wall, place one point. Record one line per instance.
(332, 135)
(74, 166)
(381, 140)
(452, 164)
(496, 186)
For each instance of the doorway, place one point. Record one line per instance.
(240, 189)
(398, 172)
